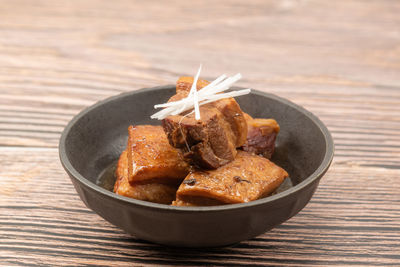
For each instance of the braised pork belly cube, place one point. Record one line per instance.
(150, 156)
(261, 136)
(229, 108)
(211, 141)
(149, 190)
(247, 178)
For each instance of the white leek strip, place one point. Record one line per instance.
(162, 112)
(208, 99)
(212, 84)
(208, 94)
(200, 92)
(195, 97)
(214, 98)
(196, 106)
(191, 93)
(211, 99)
(170, 104)
(218, 85)
(224, 85)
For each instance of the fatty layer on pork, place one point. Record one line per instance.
(149, 190)
(261, 136)
(150, 156)
(247, 178)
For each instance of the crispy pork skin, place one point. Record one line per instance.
(149, 190)
(261, 136)
(151, 156)
(247, 178)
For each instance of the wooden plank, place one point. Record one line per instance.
(42, 218)
(338, 59)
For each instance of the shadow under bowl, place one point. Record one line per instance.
(95, 137)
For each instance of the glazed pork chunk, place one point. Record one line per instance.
(247, 178)
(147, 190)
(261, 136)
(211, 141)
(151, 157)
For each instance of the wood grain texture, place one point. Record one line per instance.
(338, 59)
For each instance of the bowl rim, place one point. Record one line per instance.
(318, 173)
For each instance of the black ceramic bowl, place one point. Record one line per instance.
(95, 138)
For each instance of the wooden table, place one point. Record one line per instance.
(338, 59)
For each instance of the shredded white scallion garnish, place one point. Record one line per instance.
(210, 93)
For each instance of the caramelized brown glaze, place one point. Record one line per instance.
(154, 163)
(248, 177)
(150, 191)
(207, 143)
(151, 156)
(261, 136)
(211, 141)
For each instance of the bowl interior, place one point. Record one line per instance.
(99, 134)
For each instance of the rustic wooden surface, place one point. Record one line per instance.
(339, 59)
